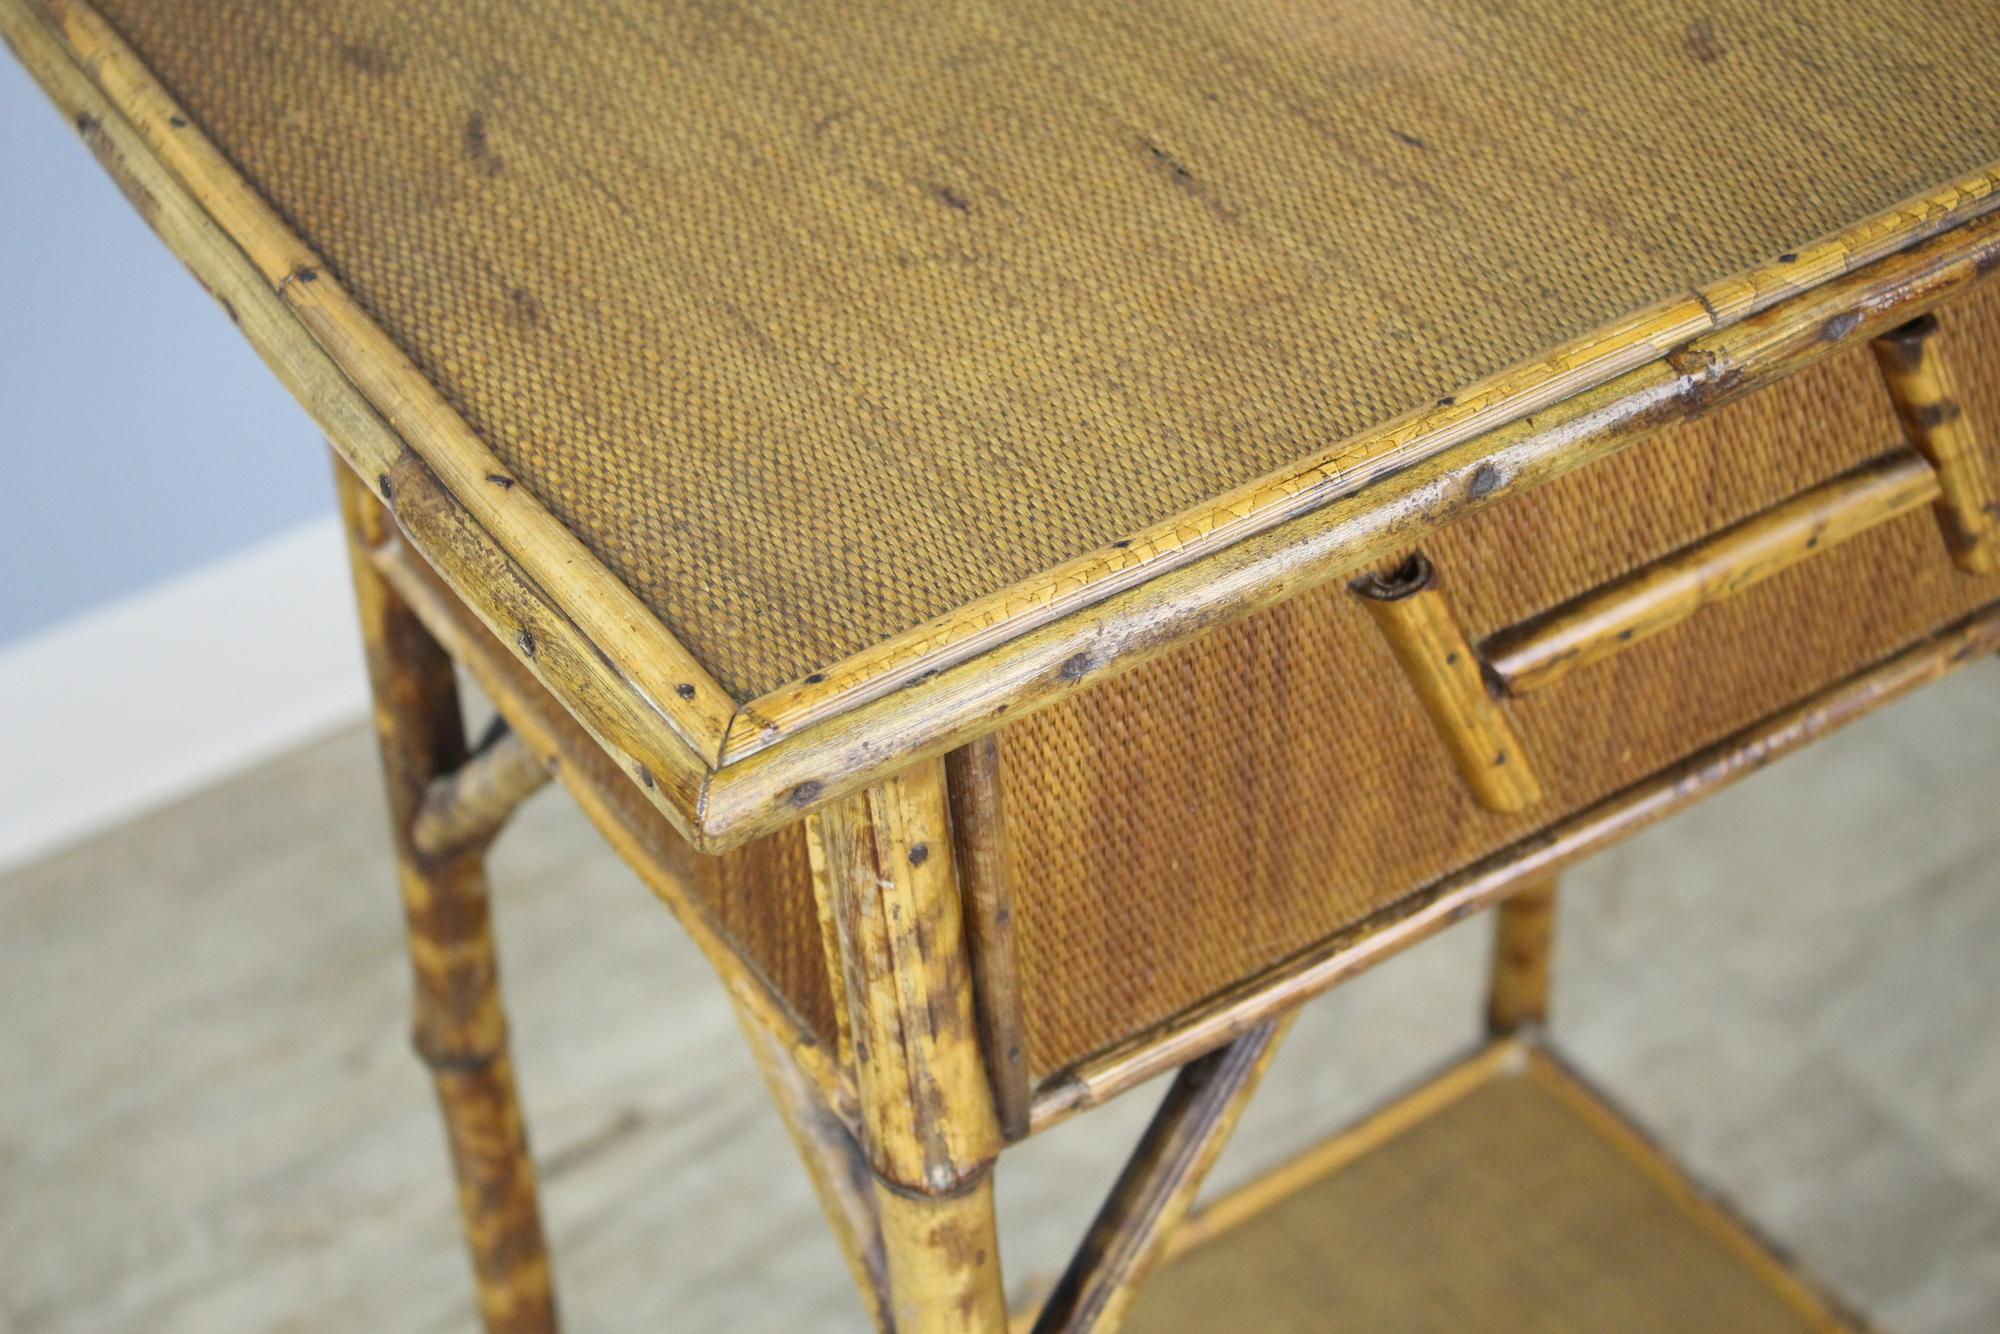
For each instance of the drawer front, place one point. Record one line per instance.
(1185, 826)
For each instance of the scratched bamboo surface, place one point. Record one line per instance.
(1805, 1044)
(774, 309)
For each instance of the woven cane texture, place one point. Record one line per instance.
(759, 897)
(1507, 1210)
(817, 322)
(1180, 828)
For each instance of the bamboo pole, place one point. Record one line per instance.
(1428, 641)
(1517, 997)
(986, 872)
(1924, 389)
(829, 941)
(670, 872)
(834, 1163)
(1636, 606)
(1158, 1186)
(927, 1112)
(467, 807)
(459, 1028)
(944, 1260)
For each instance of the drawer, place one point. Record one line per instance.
(1184, 827)
(1176, 831)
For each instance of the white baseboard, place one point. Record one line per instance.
(159, 695)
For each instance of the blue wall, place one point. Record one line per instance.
(140, 437)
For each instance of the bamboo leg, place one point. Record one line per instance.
(1158, 1186)
(1445, 671)
(927, 1112)
(459, 1028)
(1922, 386)
(1523, 941)
(829, 942)
(944, 1260)
(839, 1173)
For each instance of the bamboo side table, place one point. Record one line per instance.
(1050, 536)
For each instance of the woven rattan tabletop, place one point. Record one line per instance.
(818, 325)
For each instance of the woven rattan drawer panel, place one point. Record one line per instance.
(1185, 826)
(759, 897)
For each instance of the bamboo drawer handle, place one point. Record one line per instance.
(1921, 385)
(1416, 618)
(1463, 688)
(1594, 625)
(1945, 468)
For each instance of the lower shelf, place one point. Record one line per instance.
(1504, 1195)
